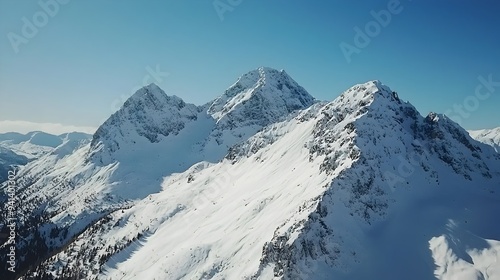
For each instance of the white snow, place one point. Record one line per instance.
(488, 136)
(461, 255)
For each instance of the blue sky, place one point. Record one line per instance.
(86, 57)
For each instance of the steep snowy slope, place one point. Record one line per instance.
(7, 159)
(152, 136)
(487, 136)
(361, 187)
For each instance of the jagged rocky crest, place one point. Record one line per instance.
(261, 96)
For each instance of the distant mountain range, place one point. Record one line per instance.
(488, 136)
(18, 149)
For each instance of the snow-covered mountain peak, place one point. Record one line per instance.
(147, 116)
(259, 75)
(371, 97)
(261, 96)
(154, 97)
(369, 91)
